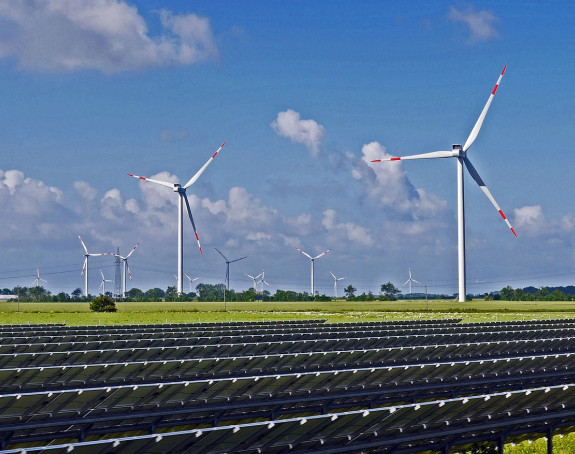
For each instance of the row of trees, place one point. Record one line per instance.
(210, 292)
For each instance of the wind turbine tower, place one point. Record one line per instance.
(312, 260)
(410, 280)
(335, 279)
(228, 266)
(183, 199)
(460, 153)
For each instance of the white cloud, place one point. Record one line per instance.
(388, 185)
(347, 231)
(308, 132)
(481, 24)
(531, 221)
(103, 35)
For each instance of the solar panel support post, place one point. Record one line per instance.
(550, 440)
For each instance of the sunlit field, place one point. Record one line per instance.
(334, 311)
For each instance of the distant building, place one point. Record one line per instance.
(8, 297)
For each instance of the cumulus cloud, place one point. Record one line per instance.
(347, 230)
(481, 24)
(308, 132)
(388, 185)
(530, 220)
(103, 35)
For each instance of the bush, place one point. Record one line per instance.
(103, 304)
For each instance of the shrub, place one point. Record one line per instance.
(103, 304)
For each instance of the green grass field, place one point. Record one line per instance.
(335, 311)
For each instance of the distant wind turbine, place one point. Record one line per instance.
(410, 280)
(85, 267)
(36, 282)
(335, 279)
(312, 260)
(103, 283)
(459, 152)
(181, 190)
(125, 268)
(192, 280)
(263, 281)
(254, 278)
(228, 266)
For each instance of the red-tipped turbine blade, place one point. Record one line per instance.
(477, 127)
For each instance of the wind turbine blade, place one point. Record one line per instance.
(477, 127)
(305, 253)
(432, 155)
(237, 260)
(251, 277)
(265, 282)
(225, 258)
(322, 254)
(84, 266)
(199, 172)
(128, 269)
(132, 251)
(102, 274)
(162, 183)
(483, 187)
(83, 245)
(333, 275)
(405, 283)
(183, 194)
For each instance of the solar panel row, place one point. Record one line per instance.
(304, 393)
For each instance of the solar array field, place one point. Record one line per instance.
(292, 386)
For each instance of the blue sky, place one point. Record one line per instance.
(305, 94)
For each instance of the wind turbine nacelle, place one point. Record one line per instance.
(457, 149)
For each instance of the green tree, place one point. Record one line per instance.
(389, 290)
(350, 291)
(103, 304)
(77, 294)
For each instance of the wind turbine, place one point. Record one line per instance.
(312, 260)
(85, 267)
(409, 281)
(459, 152)
(335, 279)
(125, 268)
(263, 281)
(36, 282)
(181, 190)
(192, 280)
(254, 279)
(103, 283)
(228, 266)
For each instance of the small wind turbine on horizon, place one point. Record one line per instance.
(192, 280)
(335, 279)
(125, 268)
(103, 283)
(254, 278)
(85, 266)
(263, 281)
(460, 152)
(312, 260)
(228, 266)
(181, 191)
(36, 282)
(410, 280)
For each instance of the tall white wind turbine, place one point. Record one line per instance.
(459, 152)
(181, 190)
(103, 283)
(125, 268)
(312, 260)
(228, 266)
(335, 279)
(192, 280)
(36, 282)
(85, 266)
(410, 280)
